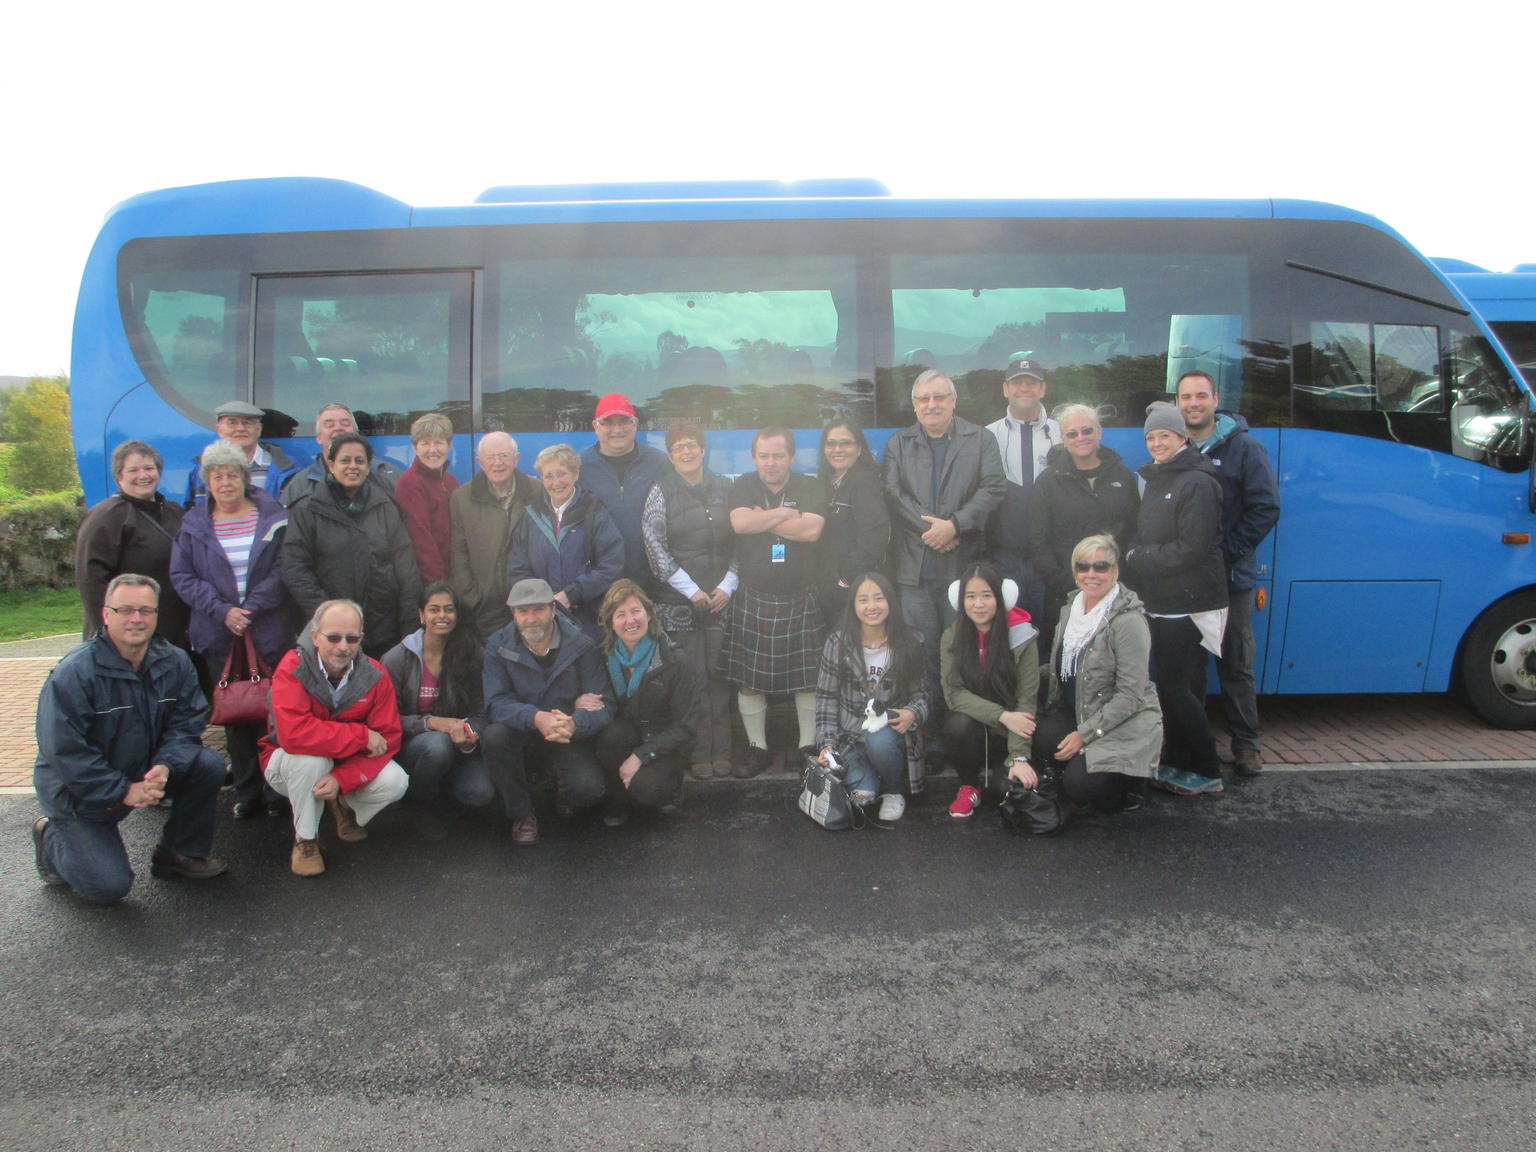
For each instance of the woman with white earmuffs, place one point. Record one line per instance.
(990, 669)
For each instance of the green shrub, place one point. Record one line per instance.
(36, 425)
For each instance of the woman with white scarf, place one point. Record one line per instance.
(1102, 725)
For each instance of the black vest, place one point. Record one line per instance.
(699, 532)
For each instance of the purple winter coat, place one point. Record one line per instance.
(201, 575)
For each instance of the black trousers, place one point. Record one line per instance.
(975, 752)
(1178, 660)
(509, 756)
(653, 785)
(1102, 790)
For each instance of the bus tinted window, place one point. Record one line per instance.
(1113, 330)
(389, 347)
(182, 324)
(727, 342)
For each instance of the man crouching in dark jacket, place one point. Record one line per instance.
(119, 725)
(539, 670)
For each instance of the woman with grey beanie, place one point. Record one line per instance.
(1177, 569)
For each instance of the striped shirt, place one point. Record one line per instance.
(236, 537)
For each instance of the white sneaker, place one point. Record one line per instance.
(892, 806)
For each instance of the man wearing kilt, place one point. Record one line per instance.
(773, 633)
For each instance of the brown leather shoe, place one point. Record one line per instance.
(169, 866)
(347, 827)
(525, 832)
(306, 859)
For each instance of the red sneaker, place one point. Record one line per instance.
(966, 801)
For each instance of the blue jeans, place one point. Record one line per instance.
(90, 856)
(429, 758)
(877, 765)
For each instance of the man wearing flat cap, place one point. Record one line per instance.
(240, 424)
(546, 696)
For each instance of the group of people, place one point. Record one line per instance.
(586, 629)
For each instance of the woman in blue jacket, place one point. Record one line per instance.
(567, 538)
(226, 563)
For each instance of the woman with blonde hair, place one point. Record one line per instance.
(1102, 725)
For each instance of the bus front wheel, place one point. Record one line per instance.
(1498, 663)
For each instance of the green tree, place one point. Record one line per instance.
(37, 423)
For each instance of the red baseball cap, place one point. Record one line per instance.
(614, 404)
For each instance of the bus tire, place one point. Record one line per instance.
(1497, 670)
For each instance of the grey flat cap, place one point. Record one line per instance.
(529, 593)
(237, 408)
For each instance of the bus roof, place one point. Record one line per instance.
(304, 204)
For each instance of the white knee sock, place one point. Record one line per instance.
(805, 713)
(754, 717)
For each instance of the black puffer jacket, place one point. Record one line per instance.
(330, 554)
(1176, 565)
(1066, 508)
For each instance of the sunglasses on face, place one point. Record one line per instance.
(338, 637)
(1100, 566)
(1076, 433)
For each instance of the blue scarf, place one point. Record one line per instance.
(626, 669)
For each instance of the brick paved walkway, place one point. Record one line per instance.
(1298, 730)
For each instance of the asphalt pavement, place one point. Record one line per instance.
(1319, 960)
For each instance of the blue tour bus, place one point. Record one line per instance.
(1507, 302)
(1400, 433)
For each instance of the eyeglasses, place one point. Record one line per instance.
(1078, 433)
(133, 610)
(842, 443)
(618, 421)
(498, 458)
(1092, 566)
(338, 637)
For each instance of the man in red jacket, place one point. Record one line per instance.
(335, 731)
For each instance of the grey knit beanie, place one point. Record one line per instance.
(1161, 414)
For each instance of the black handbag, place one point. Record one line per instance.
(1037, 811)
(824, 798)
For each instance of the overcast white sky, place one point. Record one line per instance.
(1417, 114)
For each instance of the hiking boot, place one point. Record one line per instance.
(170, 865)
(1247, 762)
(347, 827)
(39, 827)
(306, 859)
(966, 801)
(753, 763)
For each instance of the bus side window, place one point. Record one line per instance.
(1487, 406)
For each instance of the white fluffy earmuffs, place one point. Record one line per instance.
(1010, 594)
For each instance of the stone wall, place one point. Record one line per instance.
(37, 542)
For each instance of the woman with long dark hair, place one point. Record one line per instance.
(990, 670)
(436, 671)
(870, 697)
(858, 528)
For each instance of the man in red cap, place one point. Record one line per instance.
(620, 473)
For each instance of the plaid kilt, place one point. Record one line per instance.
(772, 643)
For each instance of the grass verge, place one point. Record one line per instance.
(32, 612)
